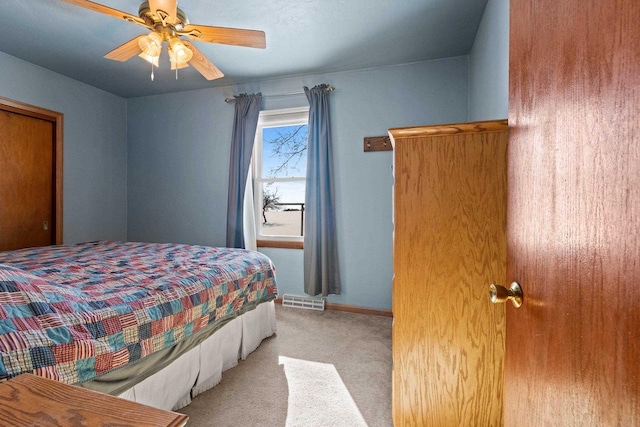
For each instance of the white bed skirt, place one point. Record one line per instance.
(201, 368)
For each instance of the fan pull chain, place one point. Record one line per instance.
(176, 73)
(151, 72)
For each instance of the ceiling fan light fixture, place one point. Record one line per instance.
(178, 65)
(151, 46)
(153, 60)
(179, 53)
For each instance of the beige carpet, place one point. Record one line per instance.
(326, 368)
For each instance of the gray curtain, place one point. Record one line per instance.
(321, 274)
(245, 123)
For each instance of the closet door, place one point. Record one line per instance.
(573, 348)
(28, 181)
(449, 246)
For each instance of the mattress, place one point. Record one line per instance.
(120, 311)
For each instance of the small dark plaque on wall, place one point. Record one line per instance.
(377, 143)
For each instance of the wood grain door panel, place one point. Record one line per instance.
(26, 186)
(574, 213)
(30, 176)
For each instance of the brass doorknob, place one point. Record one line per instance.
(499, 293)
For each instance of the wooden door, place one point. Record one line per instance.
(573, 348)
(30, 177)
(449, 245)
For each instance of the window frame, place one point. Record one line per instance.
(268, 119)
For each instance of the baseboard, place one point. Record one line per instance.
(351, 309)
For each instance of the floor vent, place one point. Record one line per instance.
(310, 303)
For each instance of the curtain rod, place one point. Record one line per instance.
(230, 100)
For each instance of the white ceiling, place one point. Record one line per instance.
(303, 37)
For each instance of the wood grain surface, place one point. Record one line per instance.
(31, 176)
(448, 129)
(26, 182)
(28, 400)
(573, 349)
(449, 246)
(377, 143)
(127, 50)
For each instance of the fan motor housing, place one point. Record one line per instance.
(145, 13)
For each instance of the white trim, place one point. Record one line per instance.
(267, 119)
(287, 112)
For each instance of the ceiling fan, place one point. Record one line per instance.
(168, 24)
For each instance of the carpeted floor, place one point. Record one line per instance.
(324, 369)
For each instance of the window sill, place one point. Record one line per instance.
(282, 244)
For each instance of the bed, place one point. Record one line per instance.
(153, 323)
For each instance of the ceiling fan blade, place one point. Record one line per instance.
(126, 51)
(167, 10)
(202, 64)
(107, 11)
(222, 35)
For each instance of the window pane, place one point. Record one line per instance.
(282, 208)
(284, 151)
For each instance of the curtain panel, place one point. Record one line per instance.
(245, 122)
(321, 273)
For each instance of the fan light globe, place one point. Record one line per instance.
(179, 54)
(151, 45)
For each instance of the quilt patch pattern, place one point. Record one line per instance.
(74, 312)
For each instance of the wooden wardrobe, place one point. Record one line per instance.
(449, 246)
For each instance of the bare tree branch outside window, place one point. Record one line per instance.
(289, 147)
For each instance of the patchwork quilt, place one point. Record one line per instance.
(74, 312)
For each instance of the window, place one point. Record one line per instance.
(280, 170)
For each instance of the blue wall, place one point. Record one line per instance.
(95, 147)
(178, 162)
(489, 65)
(175, 149)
